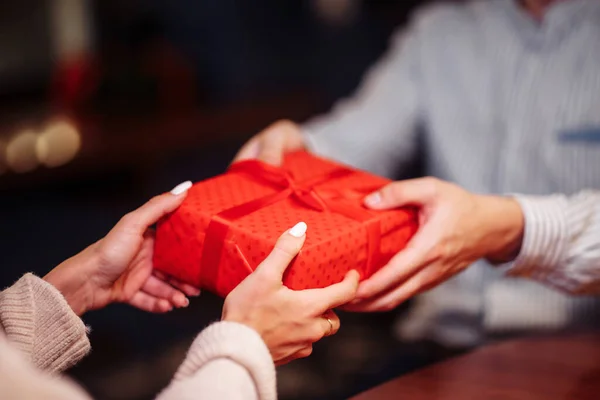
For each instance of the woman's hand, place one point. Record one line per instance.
(288, 321)
(118, 268)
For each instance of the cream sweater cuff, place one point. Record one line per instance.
(238, 343)
(38, 320)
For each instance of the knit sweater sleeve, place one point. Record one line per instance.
(38, 321)
(21, 380)
(376, 128)
(561, 245)
(226, 361)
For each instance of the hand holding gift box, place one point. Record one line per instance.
(228, 224)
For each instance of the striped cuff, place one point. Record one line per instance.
(238, 343)
(545, 236)
(38, 321)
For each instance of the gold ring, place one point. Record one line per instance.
(330, 326)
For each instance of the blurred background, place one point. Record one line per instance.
(104, 104)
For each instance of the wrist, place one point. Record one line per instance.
(228, 316)
(503, 224)
(248, 319)
(72, 279)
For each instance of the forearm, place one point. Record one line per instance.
(40, 323)
(227, 360)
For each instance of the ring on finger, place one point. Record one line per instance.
(330, 326)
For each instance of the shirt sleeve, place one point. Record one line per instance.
(561, 244)
(376, 129)
(38, 321)
(226, 361)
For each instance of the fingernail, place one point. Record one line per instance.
(373, 199)
(181, 300)
(168, 307)
(298, 230)
(181, 188)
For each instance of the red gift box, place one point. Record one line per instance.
(227, 225)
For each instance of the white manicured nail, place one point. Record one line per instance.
(373, 199)
(181, 188)
(298, 230)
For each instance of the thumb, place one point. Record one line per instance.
(287, 247)
(414, 192)
(335, 295)
(147, 215)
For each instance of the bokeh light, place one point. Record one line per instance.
(58, 144)
(3, 166)
(20, 152)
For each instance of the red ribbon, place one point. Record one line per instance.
(304, 192)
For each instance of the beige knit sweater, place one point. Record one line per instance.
(41, 336)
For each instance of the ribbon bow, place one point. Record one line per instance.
(304, 192)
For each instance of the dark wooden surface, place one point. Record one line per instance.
(543, 368)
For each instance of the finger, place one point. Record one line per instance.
(420, 282)
(277, 139)
(186, 288)
(160, 289)
(335, 295)
(303, 353)
(139, 220)
(272, 145)
(402, 266)
(332, 323)
(402, 193)
(287, 247)
(249, 150)
(145, 302)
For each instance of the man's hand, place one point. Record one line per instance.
(271, 144)
(456, 229)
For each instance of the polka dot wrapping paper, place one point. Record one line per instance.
(228, 224)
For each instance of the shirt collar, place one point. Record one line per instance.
(560, 19)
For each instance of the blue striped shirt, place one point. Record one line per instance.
(502, 103)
